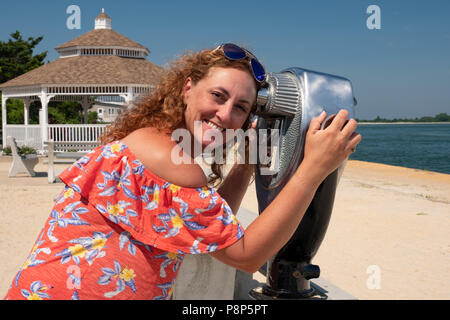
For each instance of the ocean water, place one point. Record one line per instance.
(419, 146)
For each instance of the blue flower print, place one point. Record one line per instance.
(194, 248)
(59, 219)
(125, 237)
(115, 212)
(82, 162)
(139, 169)
(154, 191)
(119, 181)
(228, 217)
(169, 258)
(205, 192)
(85, 247)
(177, 222)
(37, 291)
(124, 181)
(167, 290)
(111, 150)
(109, 176)
(32, 260)
(124, 278)
(211, 247)
(75, 296)
(211, 205)
(65, 194)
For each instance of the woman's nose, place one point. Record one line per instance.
(224, 114)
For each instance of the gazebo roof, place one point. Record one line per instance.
(101, 38)
(91, 70)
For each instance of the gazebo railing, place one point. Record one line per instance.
(75, 132)
(30, 135)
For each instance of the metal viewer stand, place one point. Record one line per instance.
(287, 104)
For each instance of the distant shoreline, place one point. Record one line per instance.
(398, 166)
(403, 123)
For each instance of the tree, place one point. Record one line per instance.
(16, 56)
(93, 117)
(69, 112)
(442, 117)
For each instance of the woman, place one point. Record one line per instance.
(128, 214)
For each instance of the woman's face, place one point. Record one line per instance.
(222, 100)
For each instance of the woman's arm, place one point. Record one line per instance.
(235, 186)
(274, 227)
(236, 183)
(325, 150)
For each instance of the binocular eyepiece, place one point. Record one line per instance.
(280, 97)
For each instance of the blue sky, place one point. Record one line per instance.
(401, 70)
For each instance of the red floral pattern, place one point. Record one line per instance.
(118, 231)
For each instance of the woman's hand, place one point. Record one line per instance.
(326, 149)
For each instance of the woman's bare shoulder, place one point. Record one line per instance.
(154, 149)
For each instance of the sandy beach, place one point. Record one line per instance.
(388, 237)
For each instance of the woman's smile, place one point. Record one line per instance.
(213, 126)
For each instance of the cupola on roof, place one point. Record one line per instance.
(103, 21)
(103, 37)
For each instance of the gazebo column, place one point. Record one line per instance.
(26, 109)
(129, 96)
(4, 119)
(43, 114)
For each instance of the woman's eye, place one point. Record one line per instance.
(242, 108)
(216, 94)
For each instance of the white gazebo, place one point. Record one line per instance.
(101, 64)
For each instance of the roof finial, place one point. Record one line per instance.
(103, 21)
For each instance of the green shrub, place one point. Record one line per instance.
(7, 151)
(22, 151)
(26, 150)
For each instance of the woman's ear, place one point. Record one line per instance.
(187, 88)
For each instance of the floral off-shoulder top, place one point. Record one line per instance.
(118, 231)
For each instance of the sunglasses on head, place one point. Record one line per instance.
(234, 52)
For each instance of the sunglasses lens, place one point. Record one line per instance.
(233, 52)
(258, 70)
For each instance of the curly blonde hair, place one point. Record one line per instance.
(164, 108)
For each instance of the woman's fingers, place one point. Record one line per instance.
(353, 141)
(327, 148)
(339, 120)
(253, 121)
(316, 122)
(345, 128)
(349, 128)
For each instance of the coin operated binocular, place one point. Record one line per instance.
(286, 105)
